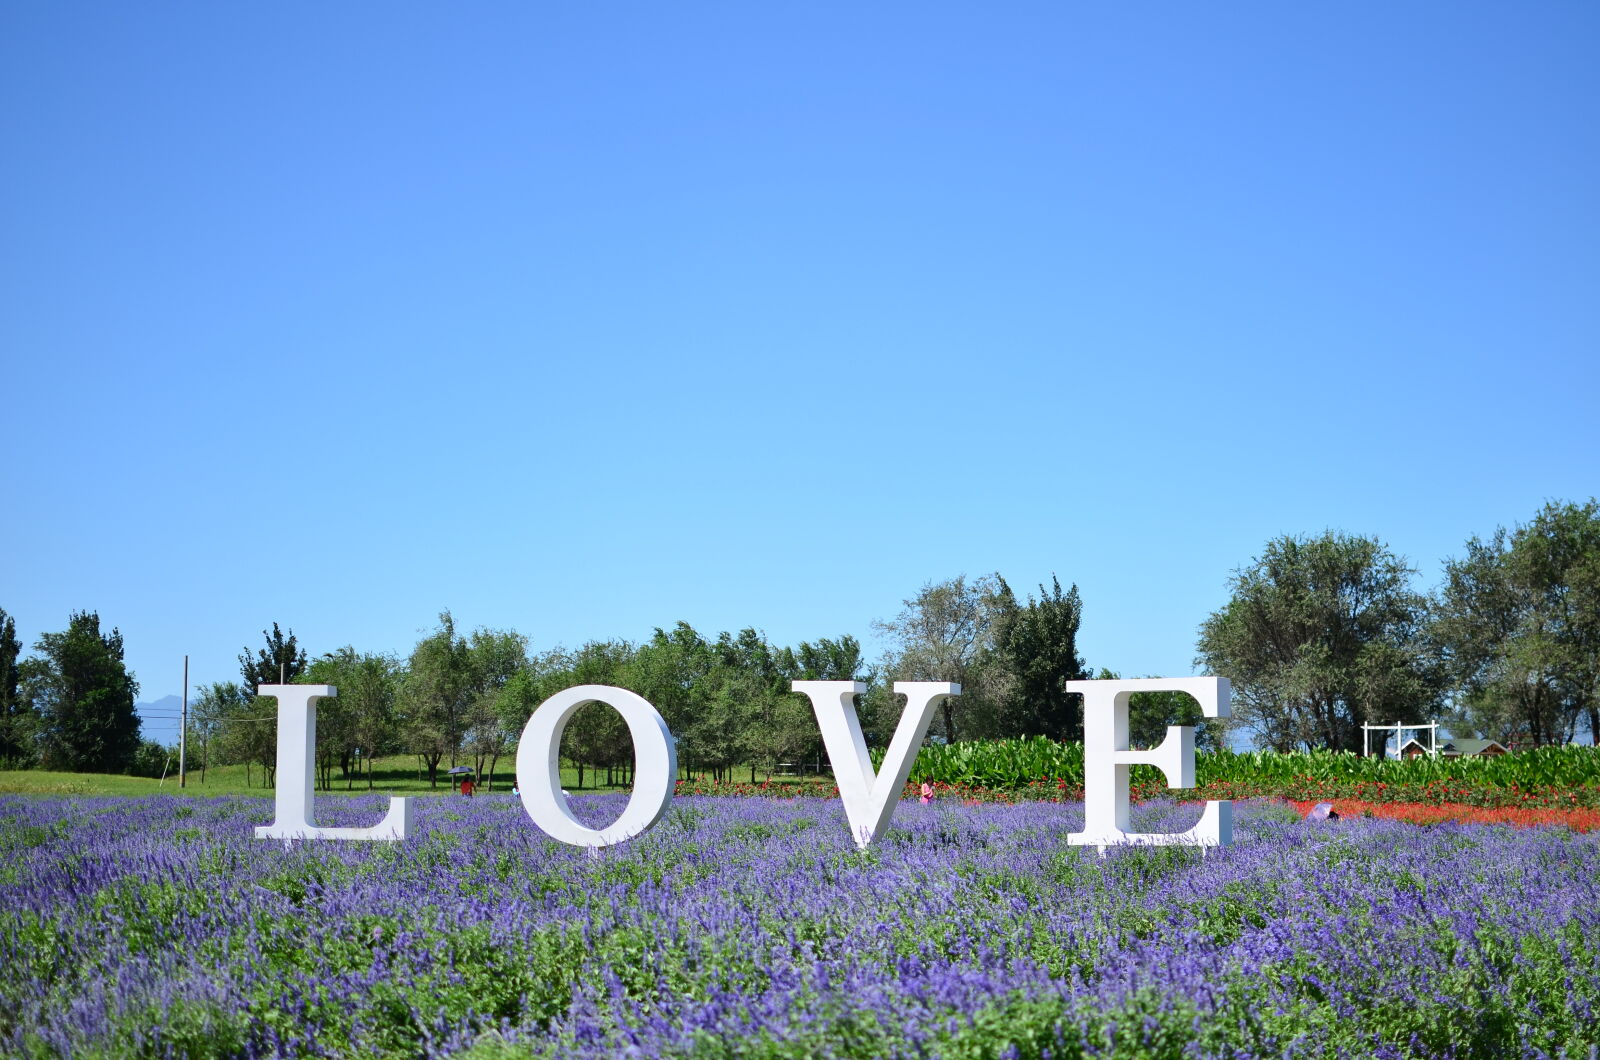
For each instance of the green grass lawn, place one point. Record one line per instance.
(395, 775)
(390, 776)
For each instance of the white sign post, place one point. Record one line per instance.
(1106, 758)
(296, 797)
(869, 798)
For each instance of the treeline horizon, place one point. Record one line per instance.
(1320, 635)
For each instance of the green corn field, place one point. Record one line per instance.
(1012, 764)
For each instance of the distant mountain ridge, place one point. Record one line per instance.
(158, 719)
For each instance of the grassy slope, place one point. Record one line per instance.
(396, 775)
(391, 776)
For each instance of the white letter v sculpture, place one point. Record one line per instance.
(869, 800)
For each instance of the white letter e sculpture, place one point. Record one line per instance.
(1106, 758)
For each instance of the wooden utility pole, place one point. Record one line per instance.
(183, 730)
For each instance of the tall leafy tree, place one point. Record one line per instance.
(360, 721)
(596, 737)
(84, 696)
(1321, 636)
(437, 695)
(18, 722)
(497, 661)
(247, 733)
(1518, 627)
(946, 633)
(752, 691)
(1038, 646)
(826, 660)
(280, 662)
(372, 683)
(214, 712)
(789, 729)
(671, 670)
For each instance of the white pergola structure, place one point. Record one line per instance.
(1399, 736)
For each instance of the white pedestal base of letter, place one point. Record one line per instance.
(1106, 759)
(296, 797)
(869, 800)
(539, 766)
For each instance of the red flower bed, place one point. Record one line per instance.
(1428, 804)
(1579, 820)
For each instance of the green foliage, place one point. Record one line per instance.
(1037, 644)
(152, 759)
(499, 673)
(250, 731)
(19, 723)
(596, 736)
(84, 697)
(946, 633)
(1004, 764)
(1035, 762)
(280, 662)
(361, 722)
(1321, 636)
(436, 695)
(1518, 625)
(694, 685)
(727, 700)
(230, 725)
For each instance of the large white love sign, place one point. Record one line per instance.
(869, 798)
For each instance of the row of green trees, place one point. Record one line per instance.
(1320, 636)
(463, 698)
(1324, 634)
(70, 706)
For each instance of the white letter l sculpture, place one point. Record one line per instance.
(297, 741)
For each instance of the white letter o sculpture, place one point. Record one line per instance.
(539, 766)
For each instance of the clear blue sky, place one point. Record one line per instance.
(585, 319)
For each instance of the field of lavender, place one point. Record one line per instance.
(160, 927)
